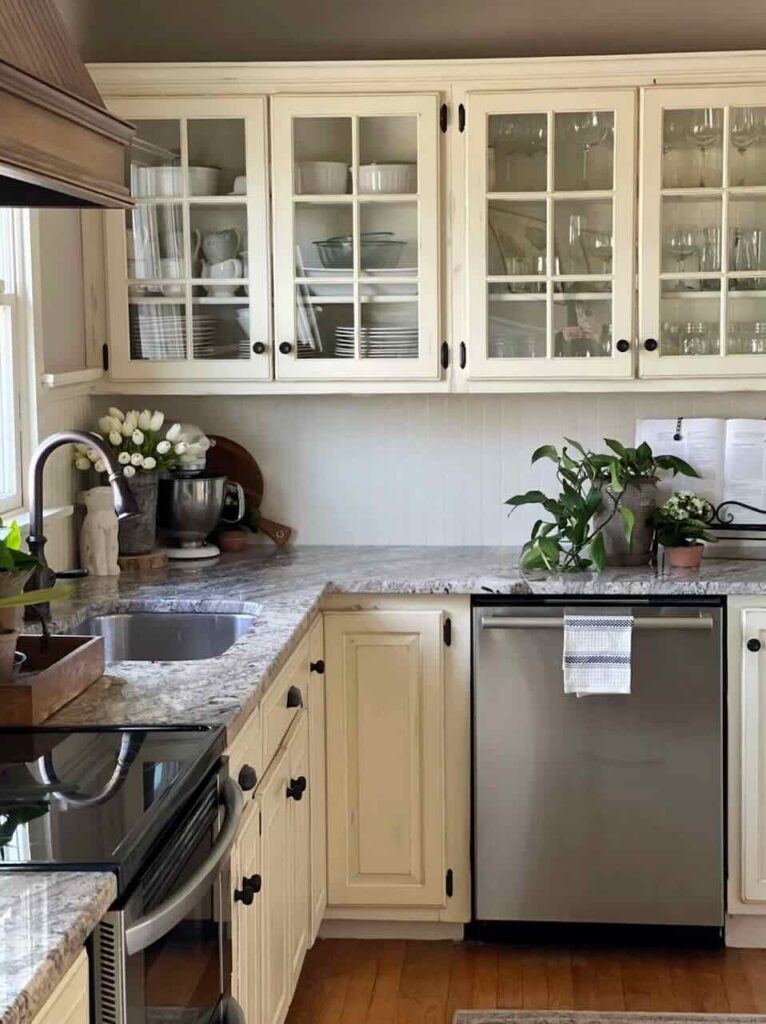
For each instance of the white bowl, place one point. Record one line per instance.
(388, 178)
(321, 177)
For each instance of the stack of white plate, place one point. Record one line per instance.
(156, 332)
(377, 342)
(212, 340)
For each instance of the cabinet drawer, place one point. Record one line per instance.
(245, 753)
(287, 695)
(68, 1003)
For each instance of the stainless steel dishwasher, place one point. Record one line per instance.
(599, 809)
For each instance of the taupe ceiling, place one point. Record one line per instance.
(151, 30)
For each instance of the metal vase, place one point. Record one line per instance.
(138, 535)
(640, 496)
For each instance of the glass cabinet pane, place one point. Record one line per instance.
(582, 327)
(517, 237)
(583, 236)
(220, 331)
(690, 318)
(389, 237)
(747, 136)
(692, 148)
(155, 249)
(324, 239)
(155, 159)
(322, 154)
(584, 150)
(216, 156)
(516, 325)
(517, 151)
(691, 235)
(388, 155)
(325, 325)
(157, 331)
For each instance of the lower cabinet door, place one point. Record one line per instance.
(276, 986)
(298, 797)
(317, 791)
(68, 1003)
(247, 916)
(753, 719)
(384, 690)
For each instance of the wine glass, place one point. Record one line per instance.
(747, 127)
(705, 129)
(681, 243)
(591, 243)
(674, 138)
(588, 130)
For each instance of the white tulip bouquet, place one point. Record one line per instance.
(140, 445)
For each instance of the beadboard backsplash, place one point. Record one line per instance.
(418, 469)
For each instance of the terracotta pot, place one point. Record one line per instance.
(640, 496)
(686, 558)
(8, 640)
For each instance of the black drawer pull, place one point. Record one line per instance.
(650, 344)
(285, 348)
(294, 697)
(623, 345)
(253, 882)
(317, 666)
(244, 895)
(297, 788)
(247, 778)
(753, 645)
(259, 348)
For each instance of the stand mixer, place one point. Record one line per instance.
(189, 509)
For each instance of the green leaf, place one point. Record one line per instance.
(644, 453)
(35, 597)
(12, 539)
(616, 447)
(614, 473)
(628, 521)
(550, 551)
(676, 465)
(532, 557)
(530, 498)
(546, 451)
(598, 552)
(576, 444)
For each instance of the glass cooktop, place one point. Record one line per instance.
(96, 799)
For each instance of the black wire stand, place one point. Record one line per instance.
(723, 521)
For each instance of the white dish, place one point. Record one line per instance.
(320, 177)
(388, 178)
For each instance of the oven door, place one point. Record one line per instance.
(165, 957)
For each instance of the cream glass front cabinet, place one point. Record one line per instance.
(577, 223)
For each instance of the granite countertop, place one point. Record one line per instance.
(282, 589)
(45, 917)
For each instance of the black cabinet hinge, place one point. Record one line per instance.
(105, 356)
(449, 884)
(445, 356)
(461, 118)
(448, 632)
(443, 117)
(463, 355)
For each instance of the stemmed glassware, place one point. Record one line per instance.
(681, 243)
(747, 128)
(591, 243)
(705, 129)
(588, 130)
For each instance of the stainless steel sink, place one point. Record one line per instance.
(165, 636)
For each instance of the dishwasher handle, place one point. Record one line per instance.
(702, 623)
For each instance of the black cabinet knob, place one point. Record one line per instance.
(623, 345)
(247, 778)
(754, 645)
(259, 348)
(253, 882)
(317, 666)
(294, 697)
(297, 788)
(244, 895)
(650, 344)
(285, 348)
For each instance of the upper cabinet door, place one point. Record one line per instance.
(356, 237)
(550, 234)
(189, 265)
(703, 232)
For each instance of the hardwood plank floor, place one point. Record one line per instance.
(397, 982)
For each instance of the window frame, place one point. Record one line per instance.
(16, 295)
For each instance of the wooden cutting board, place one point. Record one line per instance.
(231, 460)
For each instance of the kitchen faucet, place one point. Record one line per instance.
(124, 502)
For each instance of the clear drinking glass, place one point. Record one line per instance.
(704, 131)
(747, 128)
(681, 243)
(590, 129)
(697, 339)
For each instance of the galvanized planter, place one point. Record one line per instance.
(640, 497)
(138, 535)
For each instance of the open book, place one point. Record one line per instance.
(729, 454)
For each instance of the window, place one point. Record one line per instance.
(13, 381)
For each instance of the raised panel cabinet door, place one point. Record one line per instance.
(356, 192)
(188, 268)
(550, 221)
(702, 284)
(276, 982)
(69, 1002)
(753, 726)
(299, 832)
(318, 789)
(385, 758)
(247, 916)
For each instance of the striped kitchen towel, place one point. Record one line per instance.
(597, 652)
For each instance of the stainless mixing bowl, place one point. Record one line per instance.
(189, 508)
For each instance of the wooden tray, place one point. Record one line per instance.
(55, 672)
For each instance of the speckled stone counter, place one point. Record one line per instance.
(45, 917)
(283, 590)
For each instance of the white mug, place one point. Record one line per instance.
(224, 269)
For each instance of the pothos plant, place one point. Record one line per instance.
(622, 466)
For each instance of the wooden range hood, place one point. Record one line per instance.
(59, 145)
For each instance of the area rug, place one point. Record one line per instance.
(588, 1017)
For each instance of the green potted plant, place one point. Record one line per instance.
(569, 540)
(680, 526)
(16, 567)
(629, 478)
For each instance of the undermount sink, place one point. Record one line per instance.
(165, 636)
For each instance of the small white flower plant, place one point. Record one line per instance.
(140, 444)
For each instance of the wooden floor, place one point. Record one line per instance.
(392, 982)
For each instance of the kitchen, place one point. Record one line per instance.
(310, 776)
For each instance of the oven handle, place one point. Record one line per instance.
(704, 622)
(148, 929)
